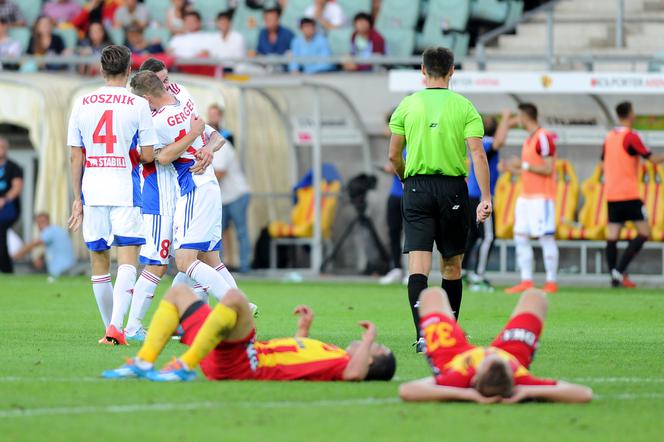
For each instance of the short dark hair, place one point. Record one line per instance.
(364, 16)
(115, 60)
(624, 109)
(382, 368)
(438, 61)
(152, 65)
(194, 13)
(490, 125)
(147, 83)
(497, 380)
(529, 109)
(275, 9)
(228, 14)
(307, 21)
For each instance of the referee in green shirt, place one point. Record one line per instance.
(437, 125)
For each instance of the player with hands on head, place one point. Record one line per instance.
(498, 373)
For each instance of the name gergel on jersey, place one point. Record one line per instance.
(109, 124)
(172, 122)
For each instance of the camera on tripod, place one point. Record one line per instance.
(358, 188)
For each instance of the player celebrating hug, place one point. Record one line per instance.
(498, 373)
(106, 128)
(222, 341)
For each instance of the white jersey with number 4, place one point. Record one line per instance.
(110, 124)
(172, 122)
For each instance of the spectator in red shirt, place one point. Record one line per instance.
(365, 42)
(96, 11)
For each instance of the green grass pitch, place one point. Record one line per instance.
(50, 363)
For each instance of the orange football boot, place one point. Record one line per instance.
(520, 287)
(628, 283)
(550, 287)
(115, 336)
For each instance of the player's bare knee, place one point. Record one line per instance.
(434, 300)
(234, 298)
(181, 295)
(533, 301)
(451, 267)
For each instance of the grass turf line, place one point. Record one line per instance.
(48, 332)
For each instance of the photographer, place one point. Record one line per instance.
(437, 124)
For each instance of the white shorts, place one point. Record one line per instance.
(158, 239)
(197, 219)
(534, 217)
(106, 226)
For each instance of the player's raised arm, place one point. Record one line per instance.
(426, 390)
(561, 392)
(304, 323)
(173, 151)
(358, 367)
(205, 155)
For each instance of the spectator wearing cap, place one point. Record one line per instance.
(227, 43)
(274, 39)
(310, 44)
(61, 11)
(131, 12)
(8, 46)
(138, 44)
(11, 13)
(365, 42)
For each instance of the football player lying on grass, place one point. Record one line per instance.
(222, 341)
(498, 373)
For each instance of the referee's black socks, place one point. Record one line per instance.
(417, 283)
(453, 288)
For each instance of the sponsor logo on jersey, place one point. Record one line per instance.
(109, 162)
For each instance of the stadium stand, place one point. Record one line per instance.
(21, 35)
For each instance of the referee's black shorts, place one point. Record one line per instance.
(436, 209)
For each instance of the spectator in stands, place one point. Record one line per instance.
(175, 16)
(11, 185)
(138, 44)
(96, 11)
(131, 12)
(235, 197)
(327, 13)
(8, 46)
(310, 44)
(227, 43)
(190, 43)
(94, 42)
(59, 252)
(11, 13)
(365, 42)
(274, 39)
(61, 11)
(44, 42)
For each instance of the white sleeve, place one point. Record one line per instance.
(209, 130)
(336, 15)
(223, 157)
(147, 136)
(74, 137)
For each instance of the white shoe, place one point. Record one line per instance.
(392, 277)
(254, 310)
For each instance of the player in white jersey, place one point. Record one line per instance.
(106, 129)
(197, 221)
(160, 192)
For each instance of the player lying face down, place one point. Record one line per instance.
(498, 373)
(222, 340)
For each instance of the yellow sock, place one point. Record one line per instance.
(164, 322)
(216, 328)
